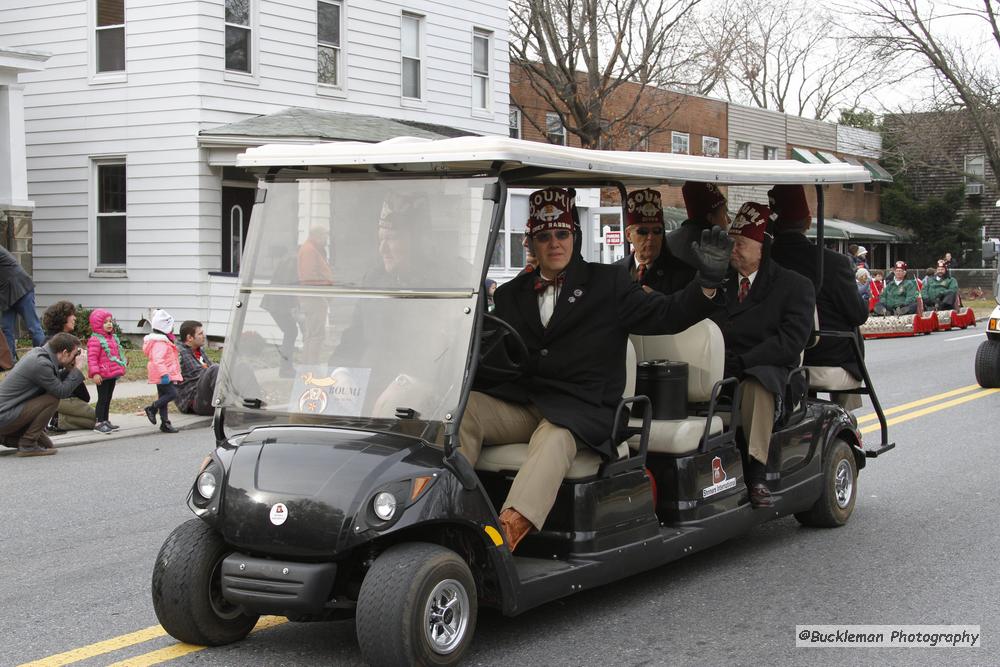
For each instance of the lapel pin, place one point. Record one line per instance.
(578, 292)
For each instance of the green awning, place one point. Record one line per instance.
(804, 155)
(828, 158)
(877, 172)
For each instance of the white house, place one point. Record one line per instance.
(133, 127)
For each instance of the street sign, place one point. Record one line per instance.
(612, 238)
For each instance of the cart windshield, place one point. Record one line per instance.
(356, 301)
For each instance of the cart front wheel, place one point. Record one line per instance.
(187, 588)
(840, 489)
(417, 607)
(988, 364)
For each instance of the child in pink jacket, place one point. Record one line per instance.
(163, 367)
(105, 364)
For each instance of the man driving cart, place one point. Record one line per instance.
(574, 317)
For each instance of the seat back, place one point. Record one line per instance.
(630, 363)
(700, 345)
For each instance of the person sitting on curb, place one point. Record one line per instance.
(199, 373)
(30, 394)
(940, 290)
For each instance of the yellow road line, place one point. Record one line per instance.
(915, 404)
(99, 648)
(180, 649)
(131, 639)
(934, 408)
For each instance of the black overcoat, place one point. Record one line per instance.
(839, 306)
(576, 372)
(675, 268)
(769, 330)
(14, 281)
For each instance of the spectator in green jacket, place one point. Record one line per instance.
(900, 294)
(940, 291)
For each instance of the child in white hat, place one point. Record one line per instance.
(163, 367)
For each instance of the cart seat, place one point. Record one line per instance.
(704, 350)
(499, 458)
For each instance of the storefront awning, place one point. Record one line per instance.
(877, 172)
(805, 155)
(846, 230)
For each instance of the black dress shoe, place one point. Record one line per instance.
(167, 427)
(150, 413)
(760, 495)
(54, 430)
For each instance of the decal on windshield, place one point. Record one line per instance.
(318, 391)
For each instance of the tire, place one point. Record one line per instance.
(840, 489)
(988, 364)
(401, 594)
(187, 591)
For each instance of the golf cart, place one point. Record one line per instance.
(988, 354)
(336, 489)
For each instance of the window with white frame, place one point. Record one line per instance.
(110, 37)
(410, 38)
(555, 131)
(238, 36)
(329, 57)
(975, 168)
(110, 212)
(770, 153)
(515, 123)
(680, 142)
(711, 147)
(481, 43)
(742, 150)
(509, 252)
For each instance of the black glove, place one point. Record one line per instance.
(712, 257)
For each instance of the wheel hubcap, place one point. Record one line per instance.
(446, 616)
(843, 484)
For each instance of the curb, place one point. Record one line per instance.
(90, 437)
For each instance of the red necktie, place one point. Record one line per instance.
(744, 289)
(640, 272)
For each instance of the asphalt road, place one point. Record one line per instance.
(80, 532)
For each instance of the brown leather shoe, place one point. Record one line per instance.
(515, 526)
(760, 495)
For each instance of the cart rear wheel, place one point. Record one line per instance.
(988, 364)
(840, 489)
(417, 607)
(187, 588)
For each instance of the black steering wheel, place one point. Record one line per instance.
(499, 363)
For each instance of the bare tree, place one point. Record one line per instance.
(790, 56)
(958, 45)
(594, 62)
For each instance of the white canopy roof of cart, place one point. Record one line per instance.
(556, 163)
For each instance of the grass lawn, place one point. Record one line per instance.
(981, 307)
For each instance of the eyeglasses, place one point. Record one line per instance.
(545, 237)
(646, 231)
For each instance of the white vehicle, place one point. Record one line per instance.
(988, 354)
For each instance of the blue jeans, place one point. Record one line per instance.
(25, 307)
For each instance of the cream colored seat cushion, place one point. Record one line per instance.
(700, 345)
(675, 436)
(498, 458)
(831, 378)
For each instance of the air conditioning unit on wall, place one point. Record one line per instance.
(973, 189)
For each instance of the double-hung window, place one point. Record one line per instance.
(329, 56)
(770, 153)
(555, 131)
(515, 123)
(742, 150)
(110, 37)
(410, 39)
(680, 142)
(710, 146)
(110, 223)
(481, 42)
(975, 168)
(238, 36)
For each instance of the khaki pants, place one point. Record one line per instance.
(75, 414)
(551, 450)
(27, 428)
(757, 412)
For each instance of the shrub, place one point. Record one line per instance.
(82, 329)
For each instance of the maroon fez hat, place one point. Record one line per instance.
(549, 209)
(789, 203)
(751, 221)
(643, 206)
(700, 199)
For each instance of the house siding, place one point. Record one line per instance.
(758, 127)
(175, 86)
